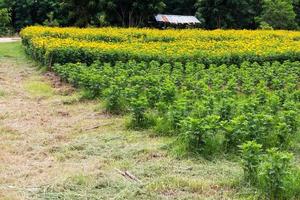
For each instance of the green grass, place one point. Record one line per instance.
(2, 93)
(12, 50)
(38, 88)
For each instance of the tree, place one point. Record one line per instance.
(80, 13)
(29, 12)
(234, 14)
(213, 13)
(296, 5)
(180, 7)
(132, 12)
(229, 13)
(279, 14)
(5, 20)
(244, 13)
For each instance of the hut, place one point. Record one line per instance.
(177, 21)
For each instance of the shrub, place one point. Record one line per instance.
(5, 20)
(265, 26)
(171, 116)
(279, 14)
(114, 101)
(274, 175)
(272, 172)
(294, 183)
(251, 153)
(203, 135)
(140, 118)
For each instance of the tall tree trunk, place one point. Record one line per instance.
(130, 19)
(219, 22)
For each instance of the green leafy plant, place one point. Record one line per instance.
(114, 102)
(251, 154)
(5, 20)
(274, 175)
(140, 117)
(203, 135)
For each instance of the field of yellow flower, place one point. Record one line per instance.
(64, 45)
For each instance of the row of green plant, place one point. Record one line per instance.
(210, 110)
(112, 34)
(72, 45)
(53, 50)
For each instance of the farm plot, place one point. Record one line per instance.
(216, 92)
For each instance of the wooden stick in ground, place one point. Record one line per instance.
(129, 176)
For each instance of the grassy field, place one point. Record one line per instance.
(57, 145)
(11, 51)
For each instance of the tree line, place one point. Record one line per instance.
(213, 14)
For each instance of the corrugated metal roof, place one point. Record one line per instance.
(177, 19)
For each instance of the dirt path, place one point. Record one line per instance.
(11, 39)
(34, 121)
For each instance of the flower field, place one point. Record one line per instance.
(63, 45)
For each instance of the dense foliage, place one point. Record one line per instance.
(286, 19)
(211, 110)
(272, 172)
(4, 21)
(229, 14)
(28, 12)
(237, 14)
